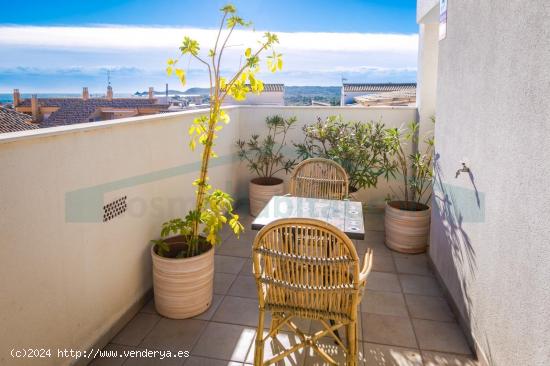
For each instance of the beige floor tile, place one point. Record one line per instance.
(149, 307)
(225, 342)
(276, 346)
(244, 286)
(420, 285)
(107, 355)
(207, 315)
(247, 268)
(378, 249)
(239, 310)
(373, 221)
(235, 247)
(223, 282)
(202, 361)
(429, 307)
(248, 234)
(382, 302)
(413, 264)
(388, 330)
(383, 263)
(380, 355)
(174, 335)
(382, 281)
(333, 350)
(317, 326)
(374, 237)
(446, 359)
(440, 336)
(227, 264)
(134, 332)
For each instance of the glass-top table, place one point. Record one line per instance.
(345, 215)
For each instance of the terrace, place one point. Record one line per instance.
(79, 204)
(405, 317)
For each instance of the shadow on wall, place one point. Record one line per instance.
(452, 251)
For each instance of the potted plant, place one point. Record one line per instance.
(183, 265)
(359, 147)
(264, 157)
(407, 221)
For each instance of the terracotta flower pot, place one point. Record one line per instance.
(183, 287)
(260, 192)
(407, 226)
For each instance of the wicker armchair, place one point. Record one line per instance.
(319, 178)
(308, 268)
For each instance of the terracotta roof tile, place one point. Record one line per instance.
(76, 110)
(11, 121)
(377, 87)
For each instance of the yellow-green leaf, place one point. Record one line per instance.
(181, 75)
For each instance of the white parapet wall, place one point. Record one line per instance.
(68, 279)
(252, 121)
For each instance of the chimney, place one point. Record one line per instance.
(151, 92)
(16, 97)
(36, 117)
(85, 94)
(109, 93)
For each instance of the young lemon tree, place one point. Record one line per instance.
(213, 207)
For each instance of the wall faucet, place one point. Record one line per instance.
(464, 169)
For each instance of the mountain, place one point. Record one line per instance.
(199, 91)
(303, 95)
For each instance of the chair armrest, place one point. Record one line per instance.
(367, 266)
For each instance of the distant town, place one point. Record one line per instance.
(20, 111)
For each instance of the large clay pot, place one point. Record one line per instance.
(260, 192)
(183, 287)
(407, 226)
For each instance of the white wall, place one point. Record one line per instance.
(490, 229)
(253, 121)
(65, 284)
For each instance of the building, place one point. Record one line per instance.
(381, 93)
(49, 112)
(273, 94)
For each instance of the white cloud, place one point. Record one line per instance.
(127, 38)
(320, 57)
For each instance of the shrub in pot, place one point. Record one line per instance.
(264, 157)
(183, 265)
(361, 148)
(407, 219)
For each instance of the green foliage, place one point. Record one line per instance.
(214, 208)
(265, 156)
(416, 169)
(360, 148)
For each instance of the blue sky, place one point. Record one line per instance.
(60, 46)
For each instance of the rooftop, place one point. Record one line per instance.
(274, 87)
(76, 110)
(377, 87)
(11, 121)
